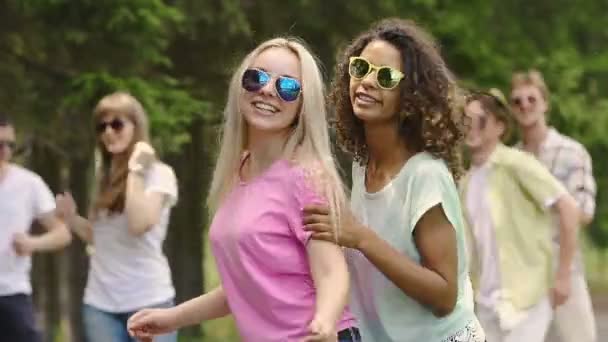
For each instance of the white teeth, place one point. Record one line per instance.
(265, 106)
(366, 98)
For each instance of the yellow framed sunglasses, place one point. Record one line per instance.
(386, 77)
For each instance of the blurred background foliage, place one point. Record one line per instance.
(58, 57)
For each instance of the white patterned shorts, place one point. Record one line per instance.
(472, 332)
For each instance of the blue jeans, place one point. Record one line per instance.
(101, 326)
(17, 321)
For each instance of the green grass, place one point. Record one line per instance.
(596, 268)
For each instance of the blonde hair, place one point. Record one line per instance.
(308, 142)
(111, 185)
(533, 78)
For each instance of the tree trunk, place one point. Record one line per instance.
(79, 185)
(46, 270)
(185, 247)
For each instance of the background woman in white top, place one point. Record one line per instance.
(398, 113)
(127, 223)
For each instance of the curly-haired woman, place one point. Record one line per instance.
(400, 115)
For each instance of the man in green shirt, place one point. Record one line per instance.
(509, 199)
(569, 161)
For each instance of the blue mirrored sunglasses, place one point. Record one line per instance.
(288, 88)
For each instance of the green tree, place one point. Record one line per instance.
(60, 57)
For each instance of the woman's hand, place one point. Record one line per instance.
(142, 158)
(66, 206)
(147, 323)
(321, 331)
(319, 222)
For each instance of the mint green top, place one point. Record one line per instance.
(383, 311)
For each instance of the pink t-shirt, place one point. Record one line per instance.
(259, 244)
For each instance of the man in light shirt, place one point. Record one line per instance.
(24, 198)
(510, 199)
(570, 163)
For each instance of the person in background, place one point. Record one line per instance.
(510, 199)
(570, 163)
(24, 198)
(127, 223)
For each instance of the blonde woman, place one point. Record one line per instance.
(274, 159)
(127, 224)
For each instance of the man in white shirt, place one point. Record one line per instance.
(24, 198)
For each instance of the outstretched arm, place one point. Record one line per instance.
(330, 275)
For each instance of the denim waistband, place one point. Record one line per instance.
(349, 334)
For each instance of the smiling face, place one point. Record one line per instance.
(370, 102)
(485, 129)
(115, 132)
(264, 110)
(528, 105)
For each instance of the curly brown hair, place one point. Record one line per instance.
(431, 116)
